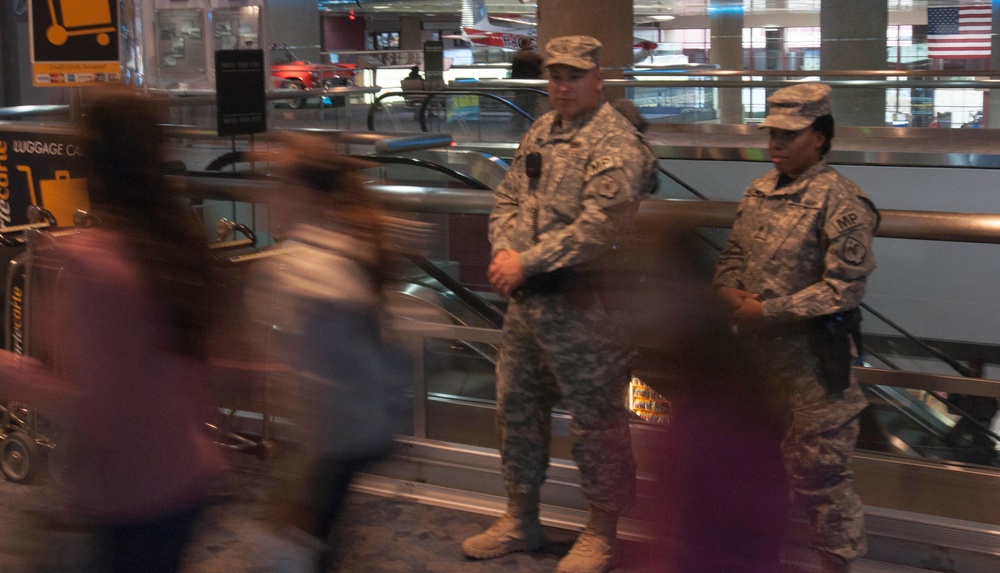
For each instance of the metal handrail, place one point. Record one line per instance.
(654, 214)
(428, 96)
(684, 81)
(824, 73)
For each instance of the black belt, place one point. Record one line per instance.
(830, 337)
(554, 282)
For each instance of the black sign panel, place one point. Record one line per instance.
(433, 61)
(239, 87)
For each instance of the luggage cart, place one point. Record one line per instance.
(80, 18)
(22, 442)
(26, 438)
(225, 228)
(248, 422)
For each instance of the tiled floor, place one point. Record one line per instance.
(376, 535)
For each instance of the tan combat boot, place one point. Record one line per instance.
(596, 550)
(833, 564)
(517, 530)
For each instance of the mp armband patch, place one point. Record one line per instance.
(847, 221)
(602, 164)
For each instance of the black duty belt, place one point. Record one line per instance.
(554, 282)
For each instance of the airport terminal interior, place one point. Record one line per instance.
(913, 96)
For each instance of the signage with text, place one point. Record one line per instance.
(239, 88)
(74, 42)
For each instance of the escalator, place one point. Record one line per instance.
(453, 442)
(899, 422)
(452, 446)
(905, 476)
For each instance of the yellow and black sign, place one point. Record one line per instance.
(42, 169)
(74, 42)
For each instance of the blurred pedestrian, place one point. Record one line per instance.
(568, 201)
(793, 274)
(324, 303)
(127, 328)
(719, 500)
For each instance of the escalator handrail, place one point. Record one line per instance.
(233, 157)
(452, 91)
(687, 187)
(464, 178)
(376, 105)
(490, 313)
(902, 403)
(954, 364)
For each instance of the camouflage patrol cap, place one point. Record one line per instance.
(797, 107)
(583, 52)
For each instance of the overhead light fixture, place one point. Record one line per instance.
(663, 17)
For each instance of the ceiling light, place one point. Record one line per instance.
(663, 17)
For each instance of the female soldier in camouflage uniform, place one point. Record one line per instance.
(793, 273)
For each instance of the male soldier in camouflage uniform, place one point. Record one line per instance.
(570, 196)
(793, 273)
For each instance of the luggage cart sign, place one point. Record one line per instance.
(42, 169)
(74, 42)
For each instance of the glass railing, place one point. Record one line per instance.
(911, 388)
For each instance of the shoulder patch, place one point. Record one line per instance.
(848, 220)
(603, 164)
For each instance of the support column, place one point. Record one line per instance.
(10, 72)
(296, 23)
(610, 21)
(853, 37)
(727, 51)
(411, 33)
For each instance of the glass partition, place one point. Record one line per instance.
(929, 355)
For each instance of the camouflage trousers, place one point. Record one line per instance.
(818, 445)
(553, 350)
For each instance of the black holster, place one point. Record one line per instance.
(831, 340)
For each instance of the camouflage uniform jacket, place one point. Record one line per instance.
(804, 248)
(594, 172)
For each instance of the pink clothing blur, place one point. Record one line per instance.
(138, 419)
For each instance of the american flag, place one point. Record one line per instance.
(959, 32)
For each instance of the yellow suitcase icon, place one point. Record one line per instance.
(62, 196)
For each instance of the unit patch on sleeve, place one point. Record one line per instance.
(608, 187)
(854, 251)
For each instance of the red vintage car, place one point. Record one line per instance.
(291, 72)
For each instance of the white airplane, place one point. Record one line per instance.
(478, 29)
